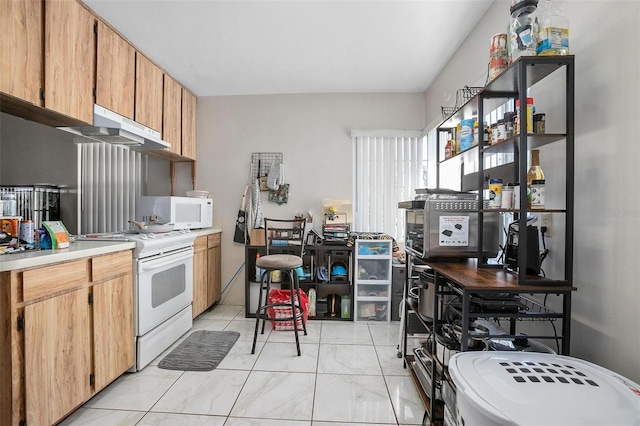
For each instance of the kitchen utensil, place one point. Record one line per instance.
(476, 333)
(151, 227)
(262, 180)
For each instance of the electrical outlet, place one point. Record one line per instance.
(546, 220)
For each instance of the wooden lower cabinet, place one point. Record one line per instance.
(63, 344)
(214, 255)
(207, 271)
(57, 356)
(200, 276)
(113, 341)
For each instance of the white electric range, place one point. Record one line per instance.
(163, 288)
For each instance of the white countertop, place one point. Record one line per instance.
(207, 231)
(77, 250)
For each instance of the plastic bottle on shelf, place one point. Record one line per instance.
(528, 114)
(475, 133)
(312, 302)
(448, 150)
(553, 28)
(535, 173)
(258, 270)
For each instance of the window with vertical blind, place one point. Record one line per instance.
(111, 182)
(388, 166)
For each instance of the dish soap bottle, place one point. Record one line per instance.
(535, 173)
(553, 28)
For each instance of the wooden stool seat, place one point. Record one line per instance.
(279, 261)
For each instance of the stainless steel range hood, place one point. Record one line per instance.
(113, 128)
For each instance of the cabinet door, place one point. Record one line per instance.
(188, 124)
(148, 110)
(215, 268)
(115, 72)
(200, 276)
(57, 356)
(172, 114)
(21, 49)
(113, 335)
(69, 59)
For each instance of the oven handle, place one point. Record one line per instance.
(157, 261)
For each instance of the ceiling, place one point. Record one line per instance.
(239, 47)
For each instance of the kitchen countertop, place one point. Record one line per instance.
(76, 250)
(207, 231)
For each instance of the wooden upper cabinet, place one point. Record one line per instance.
(69, 59)
(149, 78)
(115, 72)
(172, 114)
(188, 124)
(21, 49)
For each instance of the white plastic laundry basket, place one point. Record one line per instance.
(529, 388)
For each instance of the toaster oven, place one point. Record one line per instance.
(445, 225)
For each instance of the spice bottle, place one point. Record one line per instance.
(539, 123)
(508, 124)
(507, 196)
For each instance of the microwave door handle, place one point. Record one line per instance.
(150, 265)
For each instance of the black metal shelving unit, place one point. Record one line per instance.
(479, 277)
(464, 280)
(315, 256)
(510, 85)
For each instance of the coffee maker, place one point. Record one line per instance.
(533, 247)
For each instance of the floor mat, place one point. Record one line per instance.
(202, 350)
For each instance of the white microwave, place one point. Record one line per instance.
(183, 212)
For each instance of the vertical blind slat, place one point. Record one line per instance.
(387, 170)
(111, 180)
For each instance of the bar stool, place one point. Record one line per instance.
(286, 237)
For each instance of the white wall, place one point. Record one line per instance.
(606, 306)
(313, 134)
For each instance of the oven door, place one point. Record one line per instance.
(164, 287)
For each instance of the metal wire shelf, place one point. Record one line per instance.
(463, 96)
(448, 112)
(526, 310)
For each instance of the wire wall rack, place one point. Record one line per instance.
(463, 96)
(261, 162)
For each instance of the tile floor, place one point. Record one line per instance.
(349, 373)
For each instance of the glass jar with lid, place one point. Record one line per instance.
(523, 32)
(10, 205)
